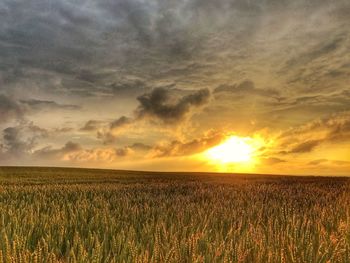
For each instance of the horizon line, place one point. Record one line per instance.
(172, 172)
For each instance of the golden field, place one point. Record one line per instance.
(86, 215)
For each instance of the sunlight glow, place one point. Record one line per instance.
(233, 150)
(235, 153)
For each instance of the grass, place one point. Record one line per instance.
(81, 215)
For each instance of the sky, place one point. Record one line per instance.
(156, 84)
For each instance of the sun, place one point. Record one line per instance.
(233, 150)
(238, 151)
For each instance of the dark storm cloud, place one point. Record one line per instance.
(37, 38)
(159, 104)
(93, 47)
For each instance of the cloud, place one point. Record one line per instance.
(57, 154)
(158, 104)
(22, 142)
(35, 104)
(92, 125)
(109, 133)
(107, 136)
(178, 148)
(140, 147)
(74, 152)
(21, 139)
(318, 162)
(304, 147)
(305, 138)
(122, 122)
(12, 109)
(329, 162)
(62, 130)
(315, 53)
(319, 103)
(246, 88)
(122, 151)
(340, 162)
(79, 48)
(106, 155)
(128, 89)
(71, 147)
(9, 109)
(272, 161)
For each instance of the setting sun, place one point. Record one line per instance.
(235, 153)
(233, 150)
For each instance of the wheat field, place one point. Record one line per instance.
(81, 215)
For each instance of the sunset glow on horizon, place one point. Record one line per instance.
(232, 150)
(236, 154)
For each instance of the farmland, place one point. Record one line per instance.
(87, 215)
